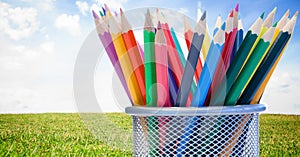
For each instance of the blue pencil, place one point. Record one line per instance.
(208, 71)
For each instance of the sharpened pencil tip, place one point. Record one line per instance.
(262, 15)
(237, 7)
(203, 16)
(275, 24)
(296, 14)
(287, 12)
(95, 15)
(121, 11)
(106, 7)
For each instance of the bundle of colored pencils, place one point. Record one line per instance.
(228, 69)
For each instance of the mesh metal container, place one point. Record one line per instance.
(207, 131)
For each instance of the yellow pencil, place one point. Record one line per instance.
(118, 41)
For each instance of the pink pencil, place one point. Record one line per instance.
(161, 58)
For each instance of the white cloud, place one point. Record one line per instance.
(33, 79)
(18, 23)
(82, 6)
(281, 94)
(69, 23)
(47, 4)
(16, 56)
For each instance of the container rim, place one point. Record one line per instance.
(194, 111)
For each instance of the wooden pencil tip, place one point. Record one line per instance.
(262, 15)
(287, 12)
(296, 14)
(106, 7)
(121, 11)
(95, 15)
(237, 7)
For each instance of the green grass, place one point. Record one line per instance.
(67, 135)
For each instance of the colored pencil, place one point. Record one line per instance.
(163, 99)
(124, 60)
(208, 71)
(188, 34)
(149, 60)
(219, 97)
(106, 40)
(191, 64)
(173, 88)
(268, 62)
(134, 54)
(161, 56)
(280, 25)
(178, 47)
(249, 68)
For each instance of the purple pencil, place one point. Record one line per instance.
(107, 42)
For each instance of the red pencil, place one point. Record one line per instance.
(134, 54)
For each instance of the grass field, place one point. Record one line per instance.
(67, 135)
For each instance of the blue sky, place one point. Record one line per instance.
(40, 41)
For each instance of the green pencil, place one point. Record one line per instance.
(149, 59)
(249, 68)
(150, 80)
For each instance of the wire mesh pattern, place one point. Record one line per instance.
(205, 135)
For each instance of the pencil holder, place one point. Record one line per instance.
(209, 131)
